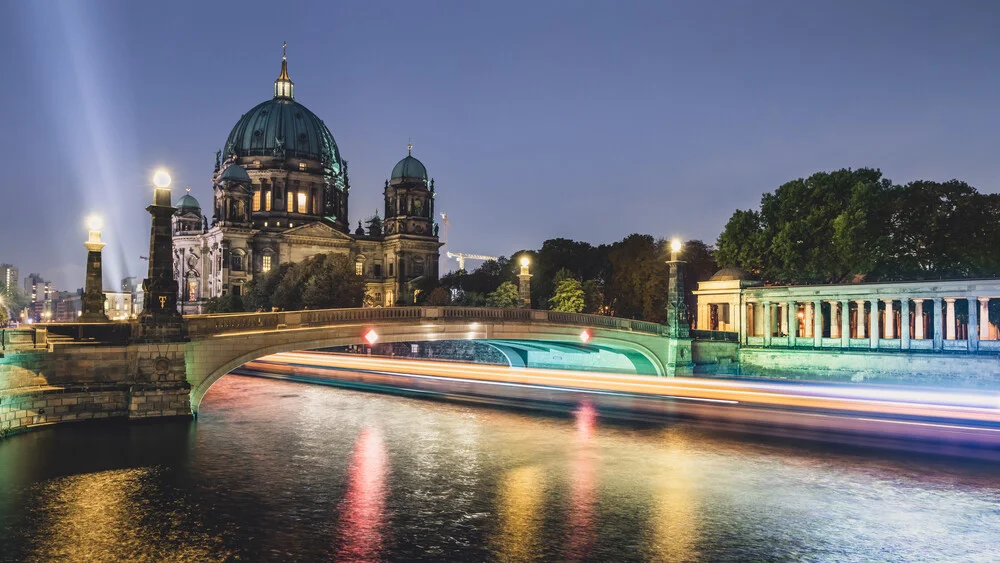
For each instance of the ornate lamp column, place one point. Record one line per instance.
(678, 330)
(159, 319)
(93, 295)
(524, 284)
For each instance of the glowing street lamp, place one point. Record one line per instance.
(161, 178)
(93, 295)
(524, 283)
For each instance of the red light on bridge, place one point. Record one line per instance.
(371, 336)
(584, 337)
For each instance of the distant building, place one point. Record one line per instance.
(38, 290)
(67, 306)
(118, 305)
(9, 275)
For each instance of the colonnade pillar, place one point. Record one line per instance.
(859, 321)
(904, 324)
(873, 323)
(834, 324)
(793, 322)
(890, 319)
(817, 307)
(766, 313)
(782, 318)
(845, 323)
(950, 321)
(973, 332)
(984, 318)
(938, 325)
(918, 319)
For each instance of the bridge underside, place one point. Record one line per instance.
(569, 355)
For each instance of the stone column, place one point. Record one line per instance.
(807, 323)
(904, 324)
(783, 320)
(766, 313)
(873, 323)
(950, 318)
(845, 323)
(834, 323)
(859, 321)
(160, 320)
(523, 283)
(678, 330)
(890, 319)
(92, 305)
(938, 325)
(918, 319)
(973, 338)
(741, 322)
(792, 321)
(817, 307)
(984, 318)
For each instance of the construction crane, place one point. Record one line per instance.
(462, 257)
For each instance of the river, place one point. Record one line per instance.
(284, 471)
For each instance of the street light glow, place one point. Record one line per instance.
(94, 222)
(675, 245)
(525, 261)
(371, 336)
(161, 179)
(585, 336)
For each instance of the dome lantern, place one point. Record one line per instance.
(283, 85)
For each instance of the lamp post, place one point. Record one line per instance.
(93, 295)
(678, 329)
(160, 320)
(524, 284)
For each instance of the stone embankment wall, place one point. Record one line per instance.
(715, 358)
(945, 369)
(73, 382)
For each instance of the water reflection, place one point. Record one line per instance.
(99, 517)
(363, 507)
(583, 476)
(673, 522)
(521, 499)
(291, 472)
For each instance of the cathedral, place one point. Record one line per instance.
(280, 194)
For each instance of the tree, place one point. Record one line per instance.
(505, 296)
(323, 281)
(568, 296)
(639, 275)
(262, 287)
(331, 283)
(438, 296)
(224, 304)
(593, 297)
(12, 302)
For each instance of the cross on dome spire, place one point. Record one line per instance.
(283, 86)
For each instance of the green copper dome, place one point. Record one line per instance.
(283, 127)
(236, 173)
(409, 167)
(188, 202)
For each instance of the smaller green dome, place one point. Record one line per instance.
(188, 202)
(409, 167)
(235, 173)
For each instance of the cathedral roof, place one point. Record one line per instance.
(236, 173)
(187, 203)
(283, 127)
(409, 167)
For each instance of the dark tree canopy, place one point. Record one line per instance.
(855, 224)
(324, 281)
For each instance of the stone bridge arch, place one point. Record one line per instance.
(221, 343)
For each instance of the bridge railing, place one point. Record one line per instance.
(715, 335)
(206, 325)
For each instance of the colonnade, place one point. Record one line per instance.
(877, 322)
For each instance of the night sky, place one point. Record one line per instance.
(587, 120)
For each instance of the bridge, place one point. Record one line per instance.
(220, 343)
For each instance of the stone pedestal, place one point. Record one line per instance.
(93, 293)
(678, 330)
(159, 320)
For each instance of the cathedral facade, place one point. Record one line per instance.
(280, 194)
